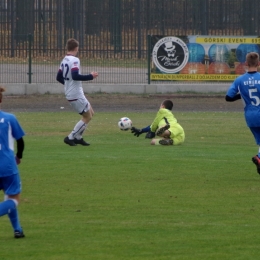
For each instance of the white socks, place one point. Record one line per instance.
(78, 130)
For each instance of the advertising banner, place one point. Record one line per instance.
(200, 58)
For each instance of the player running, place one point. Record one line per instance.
(164, 125)
(69, 75)
(247, 87)
(10, 183)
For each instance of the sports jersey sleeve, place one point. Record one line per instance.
(17, 131)
(59, 77)
(233, 89)
(20, 148)
(231, 99)
(146, 129)
(75, 72)
(76, 76)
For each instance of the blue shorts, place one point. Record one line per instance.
(11, 184)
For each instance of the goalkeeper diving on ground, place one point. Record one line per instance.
(164, 126)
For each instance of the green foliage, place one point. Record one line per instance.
(121, 198)
(232, 59)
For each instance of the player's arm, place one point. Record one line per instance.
(160, 115)
(59, 77)
(233, 92)
(17, 133)
(137, 131)
(146, 129)
(231, 99)
(78, 77)
(150, 130)
(20, 149)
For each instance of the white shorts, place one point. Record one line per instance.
(81, 105)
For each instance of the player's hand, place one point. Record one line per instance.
(18, 160)
(94, 74)
(150, 135)
(136, 131)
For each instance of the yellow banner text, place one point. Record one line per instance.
(228, 40)
(193, 77)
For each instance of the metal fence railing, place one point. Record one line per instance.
(112, 33)
(27, 66)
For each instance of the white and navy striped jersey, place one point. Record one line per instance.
(69, 74)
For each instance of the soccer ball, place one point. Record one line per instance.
(125, 123)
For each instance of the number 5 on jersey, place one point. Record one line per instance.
(256, 100)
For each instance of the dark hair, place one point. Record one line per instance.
(252, 59)
(168, 104)
(2, 89)
(72, 44)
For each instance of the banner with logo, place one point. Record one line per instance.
(200, 58)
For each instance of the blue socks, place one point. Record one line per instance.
(13, 216)
(8, 207)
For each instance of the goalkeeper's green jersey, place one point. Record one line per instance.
(160, 121)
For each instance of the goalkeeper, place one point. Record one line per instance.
(165, 126)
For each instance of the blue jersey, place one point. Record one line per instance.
(10, 130)
(248, 85)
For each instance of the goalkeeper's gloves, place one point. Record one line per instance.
(150, 135)
(136, 131)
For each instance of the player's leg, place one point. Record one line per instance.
(84, 108)
(165, 134)
(86, 117)
(91, 111)
(256, 159)
(8, 205)
(11, 185)
(164, 141)
(14, 217)
(163, 130)
(174, 136)
(81, 127)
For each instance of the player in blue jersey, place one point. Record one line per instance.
(165, 126)
(69, 75)
(10, 183)
(247, 87)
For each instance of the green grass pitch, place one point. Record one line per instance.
(121, 198)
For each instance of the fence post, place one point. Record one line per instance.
(139, 29)
(30, 58)
(12, 27)
(149, 57)
(205, 18)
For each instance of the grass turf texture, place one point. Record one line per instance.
(122, 198)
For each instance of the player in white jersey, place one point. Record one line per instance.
(70, 76)
(10, 183)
